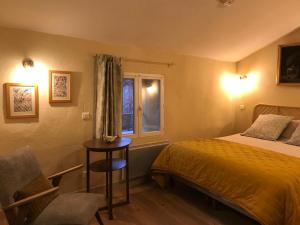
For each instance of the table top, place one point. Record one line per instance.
(101, 146)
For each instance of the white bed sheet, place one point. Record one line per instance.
(276, 146)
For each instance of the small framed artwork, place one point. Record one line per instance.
(22, 101)
(59, 87)
(289, 65)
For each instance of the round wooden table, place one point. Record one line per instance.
(108, 165)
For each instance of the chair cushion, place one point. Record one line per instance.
(70, 208)
(34, 208)
(16, 170)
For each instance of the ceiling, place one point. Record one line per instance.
(193, 27)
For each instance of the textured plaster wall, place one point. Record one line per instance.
(195, 103)
(265, 64)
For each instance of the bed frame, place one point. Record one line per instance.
(274, 109)
(211, 195)
(258, 110)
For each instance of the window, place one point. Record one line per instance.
(142, 105)
(150, 105)
(128, 106)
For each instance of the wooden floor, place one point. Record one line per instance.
(179, 205)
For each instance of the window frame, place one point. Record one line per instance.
(138, 110)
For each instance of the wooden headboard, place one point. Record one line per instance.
(275, 109)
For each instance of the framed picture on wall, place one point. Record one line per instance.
(22, 101)
(289, 65)
(59, 87)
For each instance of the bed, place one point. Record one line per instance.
(259, 178)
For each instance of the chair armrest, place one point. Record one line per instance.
(57, 176)
(30, 198)
(65, 171)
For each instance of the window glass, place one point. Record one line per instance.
(128, 107)
(151, 105)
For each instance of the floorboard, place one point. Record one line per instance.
(179, 205)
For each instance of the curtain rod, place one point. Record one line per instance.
(168, 64)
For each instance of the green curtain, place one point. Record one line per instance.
(108, 96)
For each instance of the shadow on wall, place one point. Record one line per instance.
(227, 130)
(74, 155)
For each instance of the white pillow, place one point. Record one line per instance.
(268, 127)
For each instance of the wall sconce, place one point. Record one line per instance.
(226, 3)
(27, 63)
(243, 77)
(31, 72)
(239, 84)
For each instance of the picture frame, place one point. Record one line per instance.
(60, 86)
(289, 65)
(22, 101)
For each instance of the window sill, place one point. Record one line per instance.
(153, 139)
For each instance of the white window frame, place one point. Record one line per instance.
(138, 111)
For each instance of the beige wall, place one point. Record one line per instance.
(195, 104)
(264, 63)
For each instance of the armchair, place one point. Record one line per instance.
(20, 168)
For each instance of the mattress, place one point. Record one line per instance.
(276, 146)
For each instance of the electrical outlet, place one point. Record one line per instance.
(85, 115)
(242, 107)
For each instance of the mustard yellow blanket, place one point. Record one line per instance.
(264, 183)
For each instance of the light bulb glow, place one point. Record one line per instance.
(32, 75)
(234, 86)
